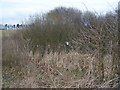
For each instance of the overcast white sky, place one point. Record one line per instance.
(16, 11)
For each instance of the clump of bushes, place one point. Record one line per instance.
(92, 55)
(87, 32)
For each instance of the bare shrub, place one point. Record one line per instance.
(39, 54)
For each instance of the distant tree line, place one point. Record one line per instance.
(8, 26)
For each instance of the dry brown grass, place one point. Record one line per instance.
(23, 69)
(63, 70)
(55, 70)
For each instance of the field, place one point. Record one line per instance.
(37, 55)
(22, 69)
(0, 33)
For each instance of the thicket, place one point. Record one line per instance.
(88, 33)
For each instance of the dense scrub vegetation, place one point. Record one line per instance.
(90, 59)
